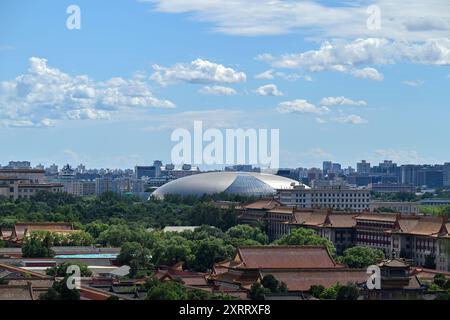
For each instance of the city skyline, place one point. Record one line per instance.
(111, 93)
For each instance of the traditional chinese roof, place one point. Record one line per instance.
(302, 280)
(20, 229)
(425, 226)
(341, 220)
(263, 204)
(284, 257)
(281, 210)
(321, 218)
(388, 217)
(22, 292)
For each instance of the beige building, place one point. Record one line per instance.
(336, 197)
(24, 183)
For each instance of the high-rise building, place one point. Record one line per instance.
(363, 167)
(409, 174)
(336, 168)
(147, 171)
(446, 172)
(327, 166)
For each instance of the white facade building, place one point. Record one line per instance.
(340, 198)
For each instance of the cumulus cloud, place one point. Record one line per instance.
(368, 73)
(269, 90)
(355, 57)
(198, 71)
(217, 90)
(341, 101)
(266, 75)
(351, 119)
(301, 106)
(419, 20)
(44, 95)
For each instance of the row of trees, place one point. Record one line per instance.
(111, 208)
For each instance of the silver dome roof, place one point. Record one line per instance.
(241, 183)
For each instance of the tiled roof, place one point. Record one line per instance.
(342, 220)
(21, 228)
(394, 263)
(302, 280)
(282, 210)
(265, 204)
(286, 257)
(428, 226)
(406, 224)
(301, 216)
(389, 217)
(317, 218)
(23, 292)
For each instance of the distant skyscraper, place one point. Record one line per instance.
(19, 165)
(336, 168)
(363, 167)
(447, 174)
(327, 166)
(147, 171)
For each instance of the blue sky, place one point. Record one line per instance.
(111, 93)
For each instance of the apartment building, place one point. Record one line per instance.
(24, 183)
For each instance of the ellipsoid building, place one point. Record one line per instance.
(235, 183)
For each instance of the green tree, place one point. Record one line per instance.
(36, 247)
(170, 290)
(302, 236)
(361, 257)
(60, 291)
(273, 285)
(348, 292)
(257, 291)
(248, 233)
(439, 280)
(210, 251)
(316, 290)
(61, 270)
(330, 293)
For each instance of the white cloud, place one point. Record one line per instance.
(271, 74)
(368, 73)
(301, 106)
(414, 83)
(198, 71)
(356, 57)
(351, 119)
(269, 90)
(266, 75)
(341, 101)
(217, 90)
(44, 95)
(415, 20)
